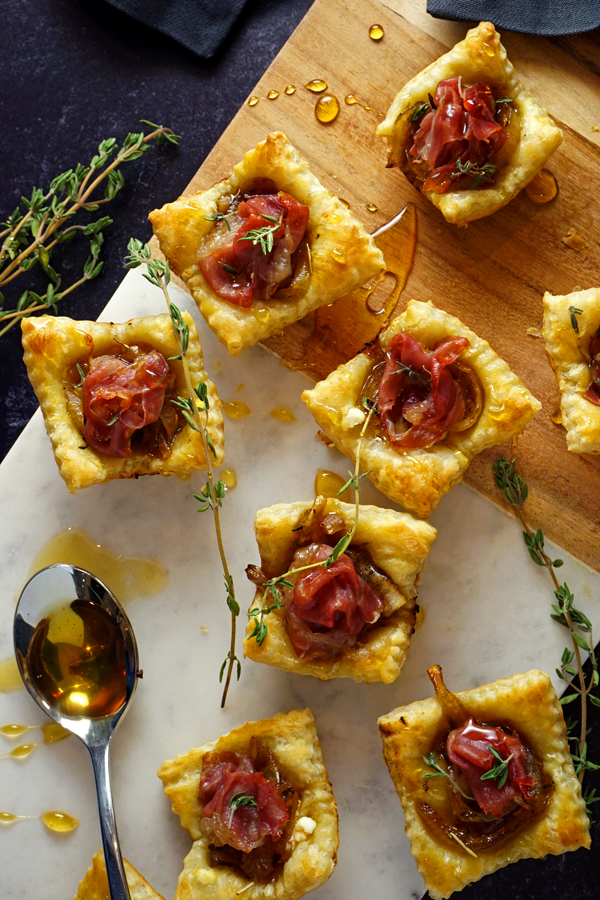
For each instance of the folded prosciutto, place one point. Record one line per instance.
(419, 400)
(256, 254)
(328, 607)
(120, 397)
(593, 392)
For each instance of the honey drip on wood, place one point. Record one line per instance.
(127, 577)
(317, 86)
(327, 484)
(229, 479)
(290, 89)
(371, 207)
(376, 32)
(10, 677)
(252, 101)
(77, 659)
(327, 109)
(272, 95)
(283, 414)
(236, 409)
(352, 100)
(543, 188)
(332, 335)
(55, 820)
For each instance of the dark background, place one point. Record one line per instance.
(77, 71)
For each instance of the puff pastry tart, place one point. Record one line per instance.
(572, 333)
(105, 391)
(95, 884)
(264, 247)
(465, 131)
(259, 807)
(442, 396)
(485, 778)
(353, 619)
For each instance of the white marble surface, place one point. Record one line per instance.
(486, 616)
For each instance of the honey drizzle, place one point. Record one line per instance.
(127, 577)
(52, 733)
(333, 335)
(55, 820)
(352, 100)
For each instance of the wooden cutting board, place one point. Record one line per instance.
(491, 274)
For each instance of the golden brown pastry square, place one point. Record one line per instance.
(53, 345)
(343, 255)
(95, 885)
(568, 353)
(418, 478)
(293, 741)
(398, 545)
(482, 57)
(529, 704)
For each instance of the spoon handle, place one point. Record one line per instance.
(117, 882)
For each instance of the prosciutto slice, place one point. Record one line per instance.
(468, 747)
(239, 270)
(418, 391)
(461, 126)
(593, 392)
(119, 398)
(240, 826)
(328, 607)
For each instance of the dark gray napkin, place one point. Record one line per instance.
(200, 25)
(531, 16)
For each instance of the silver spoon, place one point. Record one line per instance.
(78, 657)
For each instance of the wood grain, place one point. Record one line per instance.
(492, 274)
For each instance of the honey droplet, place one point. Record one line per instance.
(339, 255)
(253, 101)
(371, 207)
(7, 818)
(557, 417)
(420, 618)
(327, 484)
(10, 677)
(352, 100)
(236, 409)
(239, 388)
(127, 577)
(327, 108)
(263, 315)
(290, 89)
(53, 733)
(543, 188)
(59, 821)
(22, 751)
(229, 479)
(272, 95)
(344, 203)
(376, 32)
(317, 85)
(283, 414)
(15, 730)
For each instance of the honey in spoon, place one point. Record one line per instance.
(76, 659)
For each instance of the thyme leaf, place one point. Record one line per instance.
(418, 112)
(481, 173)
(219, 217)
(263, 236)
(431, 760)
(574, 313)
(499, 773)
(410, 372)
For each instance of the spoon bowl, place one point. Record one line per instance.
(77, 654)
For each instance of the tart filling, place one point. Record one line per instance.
(493, 785)
(458, 139)
(422, 395)
(258, 249)
(248, 811)
(593, 392)
(121, 403)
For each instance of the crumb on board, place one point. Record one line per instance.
(574, 240)
(534, 332)
(594, 128)
(204, 629)
(321, 436)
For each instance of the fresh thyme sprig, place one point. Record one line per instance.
(469, 168)
(499, 773)
(219, 217)
(432, 761)
(418, 112)
(264, 236)
(241, 799)
(565, 614)
(40, 223)
(410, 372)
(574, 313)
(195, 410)
(271, 588)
